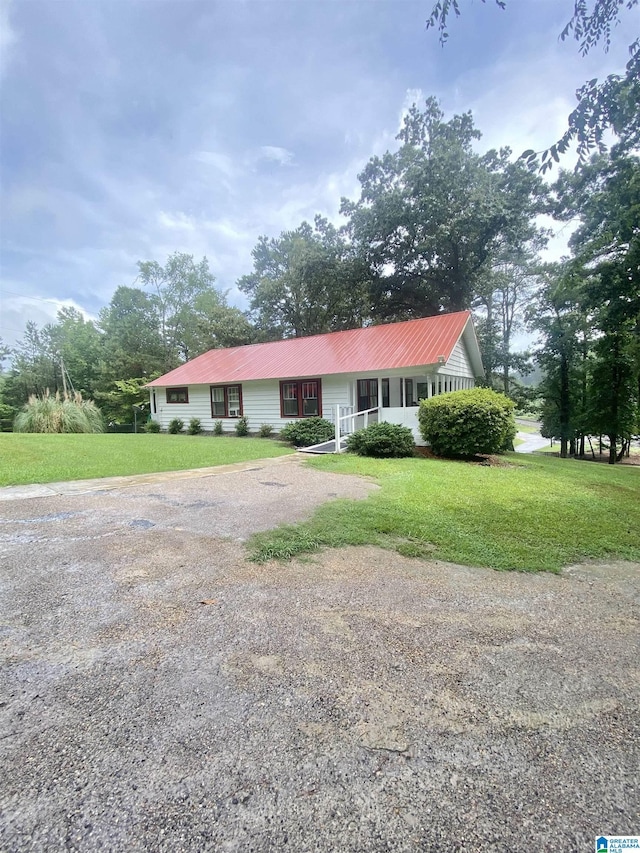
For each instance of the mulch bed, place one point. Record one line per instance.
(481, 459)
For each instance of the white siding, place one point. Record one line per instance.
(261, 398)
(458, 364)
(199, 406)
(260, 404)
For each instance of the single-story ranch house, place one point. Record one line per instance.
(379, 372)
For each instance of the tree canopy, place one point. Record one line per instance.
(306, 282)
(610, 104)
(432, 215)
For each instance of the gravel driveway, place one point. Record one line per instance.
(358, 701)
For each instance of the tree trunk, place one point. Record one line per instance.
(612, 449)
(564, 405)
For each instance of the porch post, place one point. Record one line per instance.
(379, 395)
(337, 428)
(429, 386)
(403, 395)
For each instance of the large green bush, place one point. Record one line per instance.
(467, 423)
(383, 440)
(308, 431)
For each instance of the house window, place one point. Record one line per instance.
(177, 395)
(422, 390)
(409, 399)
(301, 399)
(226, 401)
(368, 394)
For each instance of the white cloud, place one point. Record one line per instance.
(17, 310)
(176, 221)
(8, 36)
(274, 152)
(222, 162)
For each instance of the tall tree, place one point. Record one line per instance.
(432, 215)
(76, 344)
(502, 299)
(611, 104)
(133, 345)
(36, 366)
(605, 196)
(556, 313)
(5, 352)
(192, 313)
(305, 282)
(218, 324)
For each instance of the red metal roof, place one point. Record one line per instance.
(395, 345)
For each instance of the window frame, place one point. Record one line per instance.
(175, 390)
(300, 399)
(226, 401)
(384, 387)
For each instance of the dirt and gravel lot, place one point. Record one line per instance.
(358, 701)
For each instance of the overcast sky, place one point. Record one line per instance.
(134, 129)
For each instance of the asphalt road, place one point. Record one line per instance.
(159, 693)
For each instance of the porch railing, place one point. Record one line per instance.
(345, 423)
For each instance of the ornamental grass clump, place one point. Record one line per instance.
(59, 414)
(468, 423)
(382, 440)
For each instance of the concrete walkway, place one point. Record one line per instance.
(531, 442)
(106, 484)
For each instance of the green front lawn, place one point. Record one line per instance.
(539, 514)
(30, 458)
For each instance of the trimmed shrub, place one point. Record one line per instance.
(176, 426)
(152, 426)
(466, 423)
(195, 427)
(265, 430)
(59, 414)
(308, 431)
(382, 440)
(217, 428)
(242, 426)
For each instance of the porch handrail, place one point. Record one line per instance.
(351, 416)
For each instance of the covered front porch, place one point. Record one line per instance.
(393, 399)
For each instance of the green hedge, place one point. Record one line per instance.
(308, 431)
(468, 423)
(382, 440)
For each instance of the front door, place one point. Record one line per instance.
(368, 394)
